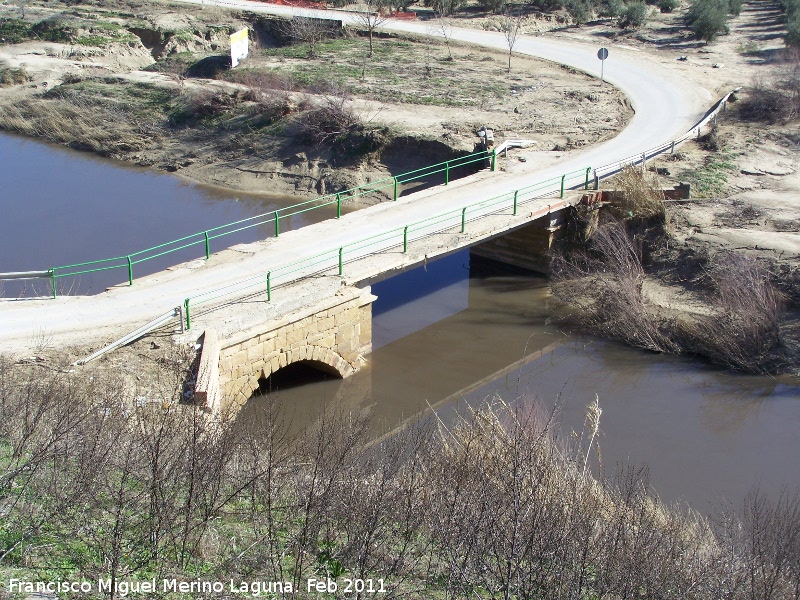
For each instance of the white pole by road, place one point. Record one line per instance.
(602, 54)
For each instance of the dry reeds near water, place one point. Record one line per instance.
(603, 280)
(605, 284)
(106, 127)
(493, 505)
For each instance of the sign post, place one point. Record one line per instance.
(602, 54)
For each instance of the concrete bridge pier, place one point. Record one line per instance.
(527, 247)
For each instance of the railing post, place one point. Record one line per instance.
(672, 149)
(188, 318)
(596, 180)
(341, 267)
(269, 287)
(447, 172)
(208, 253)
(277, 224)
(698, 133)
(563, 179)
(494, 161)
(515, 201)
(53, 281)
(338, 206)
(715, 119)
(395, 188)
(405, 239)
(130, 270)
(644, 161)
(463, 219)
(586, 184)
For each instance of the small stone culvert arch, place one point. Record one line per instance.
(318, 357)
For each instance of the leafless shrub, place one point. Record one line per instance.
(774, 99)
(332, 118)
(370, 15)
(712, 141)
(200, 103)
(492, 502)
(263, 80)
(512, 28)
(332, 124)
(605, 284)
(269, 90)
(745, 330)
(442, 26)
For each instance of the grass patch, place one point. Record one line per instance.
(396, 73)
(711, 180)
(93, 40)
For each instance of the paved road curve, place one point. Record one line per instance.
(666, 105)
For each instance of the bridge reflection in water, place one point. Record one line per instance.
(437, 330)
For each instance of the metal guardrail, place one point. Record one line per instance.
(335, 258)
(27, 275)
(711, 116)
(272, 278)
(135, 335)
(204, 238)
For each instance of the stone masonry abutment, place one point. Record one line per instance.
(332, 336)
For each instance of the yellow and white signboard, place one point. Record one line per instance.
(239, 46)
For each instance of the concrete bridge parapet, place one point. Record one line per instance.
(332, 336)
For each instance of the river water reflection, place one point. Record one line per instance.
(707, 435)
(62, 207)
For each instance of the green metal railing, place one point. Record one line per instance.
(204, 238)
(334, 258)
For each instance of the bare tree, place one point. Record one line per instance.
(309, 30)
(442, 26)
(512, 29)
(370, 16)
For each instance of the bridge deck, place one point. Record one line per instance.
(92, 319)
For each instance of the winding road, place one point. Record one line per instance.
(665, 104)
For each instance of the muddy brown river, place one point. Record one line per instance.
(448, 335)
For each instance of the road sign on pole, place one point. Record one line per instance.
(602, 54)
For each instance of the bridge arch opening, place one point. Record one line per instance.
(295, 375)
(299, 366)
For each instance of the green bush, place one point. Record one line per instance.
(494, 6)
(546, 5)
(445, 7)
(14, 31)
(579, 11)
(793, 31)
(634, 16)
(735, 7)
(667, 6)
(708, 18)
(611, 8)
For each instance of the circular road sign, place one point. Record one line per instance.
(602, 54)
